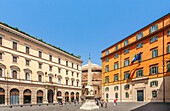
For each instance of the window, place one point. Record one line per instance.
(27, 76)
(139, 45)
(15, 59)
(14, 45)
(59, 80)
(125, 42)
(107, 80)
(0, 72)
(77, 74)
(50, 79)
(126, 86)
(116, 88)
(50, 57)
(168, 33)
(154, 94)
(127, 76)
(59, 70)
(27, 62)
(72, 73)
(116, 78)
(116, 65)
(77, 83)
(168, 48)
(127, 95)
(126, 62)
(0, 55)
(50, 68)
(126, 51)
(27, 49)
(107, 95)
(139, 73)
(14, 74)
(153, 70)
(116, 95)
(40, 54)
(77, 66)
(153, 83)
(107, 69)
(107, 59)
(72, 65)
(0, 41)
(153, 39)
(107, 89)
(139, 36)
(40, 65)
(153, 28)
(66, 63)
(154, 53)
(95, 92)
(116, 55)
(72, 83)
(39, 78)
(107, 52)
(66, 82)
(116, 48)
(59, 60)
(168, 67)
(66, 72)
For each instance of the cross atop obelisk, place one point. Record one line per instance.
(89, 72)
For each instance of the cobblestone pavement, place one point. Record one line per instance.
(125, 106)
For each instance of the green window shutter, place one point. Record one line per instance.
(105, 69)
(156, 38)
(124, 76)
(128, 62)
(125, 87)
(150, 29)
(156, 69)
(156, 52)
(150, 84)
(128, 75)
(137, 73)
(168, 49)
(152, 53)
(156, 26)
(151, 71)
(142, 72)
(156, 83)
(124, 62)
(152, 93)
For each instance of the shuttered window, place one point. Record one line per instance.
(116, 88)
(59, 60)
(116, 65)
(153, 70)
(107, 80)
(153, 83)
(154, 53)
(153, 28)
(107, 89)
(107, 59)
(168, 67)
(138, 36)
(154, 94)
(50, 57)
(153, 39)
(14, 74)
(107, 69)
(168, 48)
(116, 48)
(116, 78)
(127, 95)
(168, 33)
(40, 54)
(126, 51)
(116, 55)
(27, 50)
(126, 76)
(126, 62)
(126, 87)
(14, 45)
(107, 52)
(139, 45)
(139, 73)
(125, 42)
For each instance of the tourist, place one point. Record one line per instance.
(105, 103)
(115, 102)
(102, 103)
(74, 102)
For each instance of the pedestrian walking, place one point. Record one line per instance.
(74, 102)
(102, 103)
(105, 104)
(115, 102)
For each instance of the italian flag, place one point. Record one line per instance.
(133, 60)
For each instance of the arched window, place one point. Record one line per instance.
(127, 95)
(14, 74)
(39, 78)
(50, 79)
(107, 89)
(72, 96)
(66, 97)
(59, 93)
(59, 80)
(27, 96)
(27, 76)
(14, 96)
(116, 95)
(2, 96)
(39, 96)
(66, 82)
(0, 72)
(72, 83)
(107, 95)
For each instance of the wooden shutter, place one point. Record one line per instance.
(156, 26)
(150, 30)
(156, 83)
(152, 53)
(137, 74)
(156, 52)
(150, 84)
(142, 72)
(156, 69)
(150, 70)
(168, 49)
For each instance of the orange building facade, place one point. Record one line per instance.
(146, 79)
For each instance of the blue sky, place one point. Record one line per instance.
(82, 26)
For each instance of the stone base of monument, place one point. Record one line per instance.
(90, 103)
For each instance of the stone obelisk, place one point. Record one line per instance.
(90, 103)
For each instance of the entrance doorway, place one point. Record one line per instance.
(2, 96)
(50, 96)
(140, 95)
(27, 96)
(14, 96)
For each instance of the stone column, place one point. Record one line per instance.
(55, 95)
(46, 95)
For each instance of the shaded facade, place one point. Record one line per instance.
(32, 71)
(148, 78)
(96, 80)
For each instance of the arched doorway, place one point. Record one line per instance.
(59, 96)
(27, 96)
(72, 96)
(66, 97)
(14, 96)
(50, 96)
(39, 96)
(2, 96)
(77, 97)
